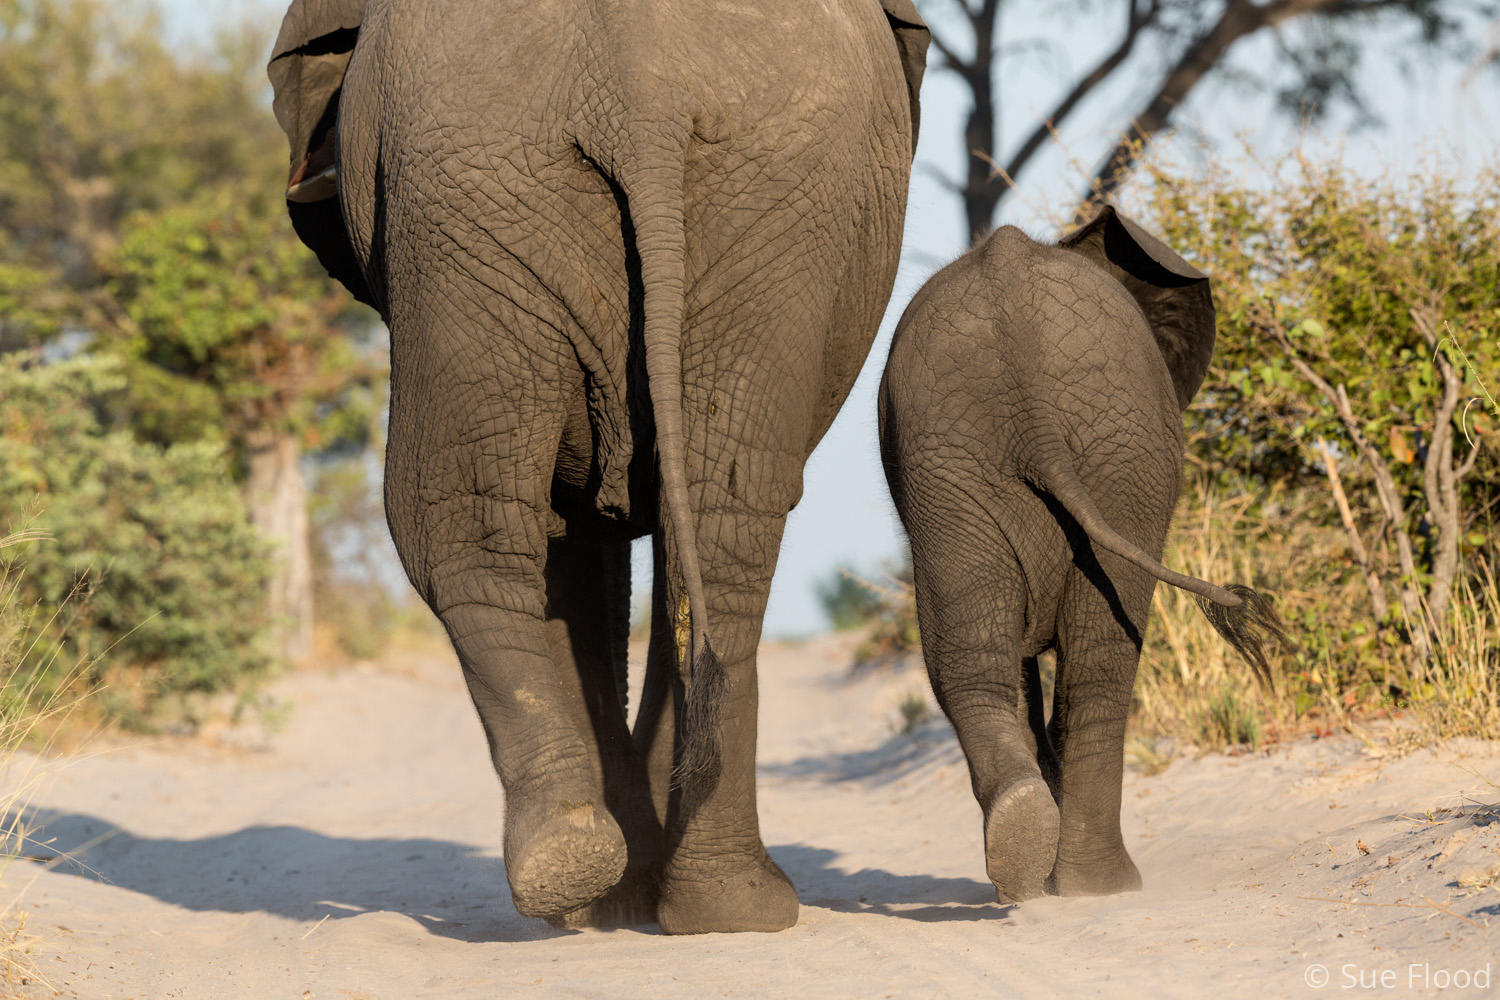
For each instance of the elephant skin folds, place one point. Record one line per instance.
(1030, 428)
(632, 255)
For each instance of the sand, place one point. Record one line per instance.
(355, 855)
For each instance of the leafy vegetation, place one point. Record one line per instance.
(101, 117)
(28, 715)
(141, 224)
(154, 540)
(887, 611)
(848, 601)
(1337, 447)
(232, 330)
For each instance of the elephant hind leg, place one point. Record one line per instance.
(563, 848)
(719, 877)
(478, 551)
(1021, 823)
(971, 605)
(1100, 624)
(588, 628)
(1020, 840)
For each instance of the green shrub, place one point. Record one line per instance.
(848, 601)
(175, 576)
(1343, 450)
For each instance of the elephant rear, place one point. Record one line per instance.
(1000, 372)
(631, 254)
(1031, 433)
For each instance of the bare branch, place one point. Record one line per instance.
(951, 60)
(946, 182)
(1239, 19)
(1439, 477)
(1372, 582)
(1137, 22)
(1385, 489)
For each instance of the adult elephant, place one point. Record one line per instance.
(632, 254)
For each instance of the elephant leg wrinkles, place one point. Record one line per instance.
(588, 626)
(469, 507)
(1100, 624)
(719, 876)
(972, 604)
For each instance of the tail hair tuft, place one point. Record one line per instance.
(1247, 626)
(701, 761)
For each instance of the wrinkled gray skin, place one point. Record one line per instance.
(1031, 431)
(632, 254)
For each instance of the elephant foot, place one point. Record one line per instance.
(1020, 840)
(570, 858)
(1098, 875)
(631, 903)
(718, 898)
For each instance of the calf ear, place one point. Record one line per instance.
(1174, 295)
(911, 43)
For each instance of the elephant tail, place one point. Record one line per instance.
(1241, 615)
(652, 178)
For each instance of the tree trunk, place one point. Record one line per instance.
(277, 496)
(984, 188)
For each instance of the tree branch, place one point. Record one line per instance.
(1440, 479)
(1385, 489)
(951, 60)
(1372, 582)
(1137, 22)
(1239, 19)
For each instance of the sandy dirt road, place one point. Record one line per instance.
(355, 855)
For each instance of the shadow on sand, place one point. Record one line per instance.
(894, 759)
(454, 890)
(926, 898)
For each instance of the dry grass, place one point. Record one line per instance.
(1457, 693)
(30, 717)
(1343, 670)
(1191, 685)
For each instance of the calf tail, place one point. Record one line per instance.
(1244, 617)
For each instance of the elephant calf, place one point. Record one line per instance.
(1031, 432)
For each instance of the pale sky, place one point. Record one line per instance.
(845, 517)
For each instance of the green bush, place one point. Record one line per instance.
(848, 601)
(886, 610)
(1342, 448)
(175, 575)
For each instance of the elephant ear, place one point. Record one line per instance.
(307, 72)
(1174, 295)
(307, 69)
(911, 43)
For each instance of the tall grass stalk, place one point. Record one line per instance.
(1191, 685)
(1457, 692)
(34, 704)
(1343, 670)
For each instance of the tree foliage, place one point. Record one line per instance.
(1319, 47)
(1342, 303)
(847, 600)
(140, 215)
(100, 118)
(174, 574)
(231, 327)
